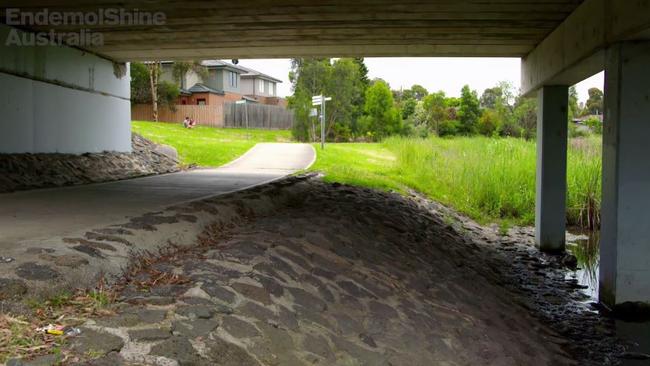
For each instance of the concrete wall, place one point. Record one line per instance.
(60, 99)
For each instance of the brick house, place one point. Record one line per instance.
(225, 82)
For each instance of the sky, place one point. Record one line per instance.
(447, 74)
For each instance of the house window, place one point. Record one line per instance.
(275, 89)
(200, 101)
(261, 86)
(233, 79)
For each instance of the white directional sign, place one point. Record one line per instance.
(318, 99)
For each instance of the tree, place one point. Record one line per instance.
(418, 92)
(469, 111)
(525, 118)
(140, 83)
(594, 104)
(435, 104)
(181, 68)
(342, 80)
(574, 108)
(488, 122)
(345, 86)
(408, 107)
(490, 97)
(154, 74)
(382, 118)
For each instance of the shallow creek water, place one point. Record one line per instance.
(637, 334)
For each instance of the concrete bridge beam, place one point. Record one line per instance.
(625, 236)
(57, 99)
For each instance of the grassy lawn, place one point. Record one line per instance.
(489, 179)
(207, 146)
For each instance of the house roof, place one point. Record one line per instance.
(202, 88)
(218, 64)
(254, 74)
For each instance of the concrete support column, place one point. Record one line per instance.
(58, 99)
(625, 236)
(550, 199)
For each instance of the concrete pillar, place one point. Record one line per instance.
(550, 199)
(58, 99)
(625, 236)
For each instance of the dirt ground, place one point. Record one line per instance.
(348, 276)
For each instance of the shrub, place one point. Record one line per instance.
(595, 125)
(487, 124)
(510, 129)
(448, 128)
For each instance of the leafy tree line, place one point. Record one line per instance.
(368, 110)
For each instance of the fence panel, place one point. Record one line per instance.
(207, 115)
(257, 116)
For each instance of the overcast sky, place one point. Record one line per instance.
(447, 74)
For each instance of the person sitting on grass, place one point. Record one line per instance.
(191, 124)
(186, 122)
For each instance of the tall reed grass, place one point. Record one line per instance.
(494, 178)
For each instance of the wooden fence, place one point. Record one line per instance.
(249, 115)
(208, 115)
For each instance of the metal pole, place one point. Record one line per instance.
(322, 123)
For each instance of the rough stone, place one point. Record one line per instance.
(179, 349)
(53, 170)
(239, 328)
(222, 353)
(194, 328)
(34, 271)
(96, 342)
(148, 335)
(12, 288)
(70, 260)
(253, 292)
(196, 311)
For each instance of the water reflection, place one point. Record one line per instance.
(586, 248)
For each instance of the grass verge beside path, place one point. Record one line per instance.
(489, 179)
(207, 146)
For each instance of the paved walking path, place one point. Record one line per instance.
(59, 211)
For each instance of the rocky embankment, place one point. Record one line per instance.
(29, 171)
(338, 275)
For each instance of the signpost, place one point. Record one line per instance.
(319, 100)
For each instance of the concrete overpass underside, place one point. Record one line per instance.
(76, 99)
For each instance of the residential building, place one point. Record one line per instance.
(224, 82)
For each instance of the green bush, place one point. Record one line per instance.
(487, 124)
(510, 129)
(595, 125)
(448, 128)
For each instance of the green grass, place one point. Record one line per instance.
(207, 146)
(489, 179)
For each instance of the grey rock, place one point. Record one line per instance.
(70, 260)
(12, 288)
(194, 328)
(166, 150)
(179, 349)
(148, 335)
(222, 353)
(239, 328)
(219, 293)
(34, 271)
(196, 311)
(93, 341)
